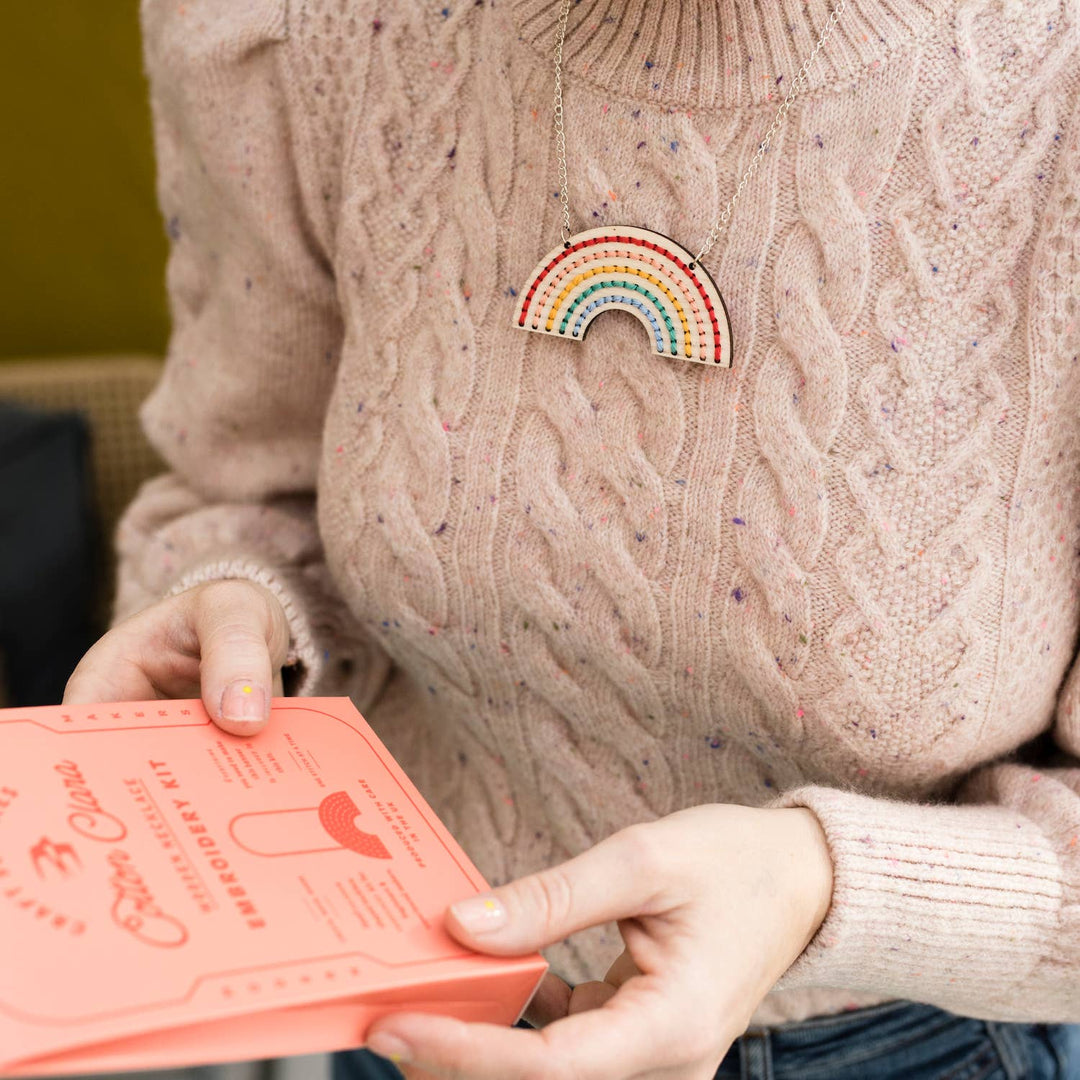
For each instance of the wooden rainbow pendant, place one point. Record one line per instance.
(645, 272)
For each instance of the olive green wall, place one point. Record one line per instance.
(82, 246)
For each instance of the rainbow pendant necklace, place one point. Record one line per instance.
(657, 280)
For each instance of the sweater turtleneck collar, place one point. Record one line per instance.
(712, 54)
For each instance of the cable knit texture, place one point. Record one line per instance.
(575, 585)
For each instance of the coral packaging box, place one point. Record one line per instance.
(173, 895)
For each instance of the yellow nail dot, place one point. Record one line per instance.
(489, 904)
(395, 1058)
(247, 689)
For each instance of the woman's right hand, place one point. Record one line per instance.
(223, 641)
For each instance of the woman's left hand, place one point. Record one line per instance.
(714, 903)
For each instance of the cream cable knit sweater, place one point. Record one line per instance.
(575, 585)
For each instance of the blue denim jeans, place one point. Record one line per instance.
(898, 1040)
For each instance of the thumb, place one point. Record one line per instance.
(243, 638)
(615, 879)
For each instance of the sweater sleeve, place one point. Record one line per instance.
(973, 903)
(973, 906)
(256, 332)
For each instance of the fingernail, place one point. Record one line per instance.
(389, 1046)
(480, 914)
(243, 701)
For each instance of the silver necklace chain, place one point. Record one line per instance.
(797, 85)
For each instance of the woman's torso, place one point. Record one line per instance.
(613, 584)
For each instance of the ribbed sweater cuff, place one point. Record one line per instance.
(939, 903)
(303, 652)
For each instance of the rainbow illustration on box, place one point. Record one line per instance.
(648, 274)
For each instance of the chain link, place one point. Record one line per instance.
(560, 138)
(796, 88)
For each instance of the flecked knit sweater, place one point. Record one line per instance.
(575, 584)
